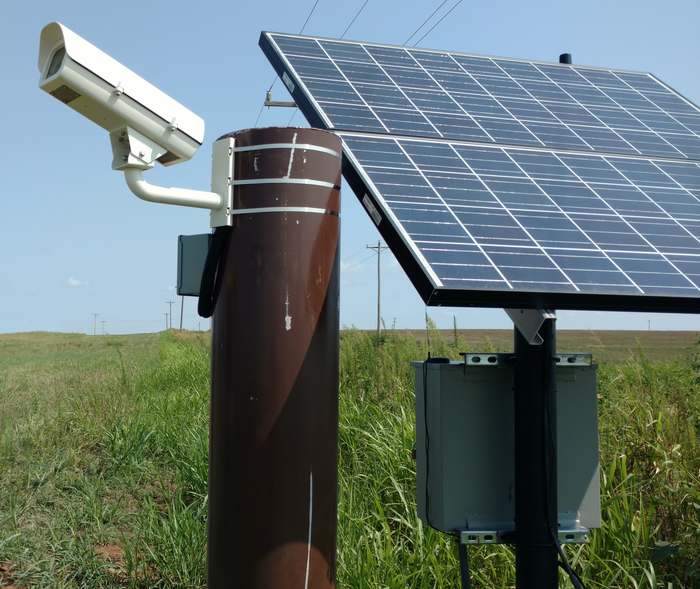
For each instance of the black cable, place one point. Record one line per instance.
(550, 446)
(576, 580)
(427, 444)
(205, 305)
(427, 439)
(263, 106)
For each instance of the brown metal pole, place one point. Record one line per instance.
(274, 392)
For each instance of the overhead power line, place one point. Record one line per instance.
(356, 264)
(438, 22)
(354, 19)
(308, 17)
(351, 256)
(424, 22)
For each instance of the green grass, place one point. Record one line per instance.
(104, 453)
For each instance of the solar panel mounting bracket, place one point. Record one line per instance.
(269, 102)
(529, 321)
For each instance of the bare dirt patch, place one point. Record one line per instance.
(111, 552)
(6, 577)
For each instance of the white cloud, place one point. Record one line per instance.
(76, 282)
(393, 266)
(171, 289)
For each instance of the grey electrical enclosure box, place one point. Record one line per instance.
(191, 256)
(465, 457)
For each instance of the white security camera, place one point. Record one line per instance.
(112, 96)
(145, 125)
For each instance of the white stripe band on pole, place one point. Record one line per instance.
(306, 146)
(284, 210)
(285, 181)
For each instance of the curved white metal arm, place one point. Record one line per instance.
(170, 196)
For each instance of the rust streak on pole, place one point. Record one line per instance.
(274, 397)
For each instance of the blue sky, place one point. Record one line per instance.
(74, 241)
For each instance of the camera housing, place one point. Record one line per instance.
(112, 96)
(144, 124)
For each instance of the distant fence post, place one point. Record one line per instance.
(274, 389)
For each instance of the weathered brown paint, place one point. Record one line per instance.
(274, 391)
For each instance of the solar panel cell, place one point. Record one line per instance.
(377, 96)
(431, 101)
(481, 106)
(311, 67)
(345, 52)
(458, 126)
(334, 92)
(403, 122)
(434, 61)
(351, 116)
(588, 96)
(293, 45)
(510, 132)
(688, 145)
(556, 136)
(606, 140)
(521, 71)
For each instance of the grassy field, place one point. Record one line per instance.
(605, 345)
(104, 450)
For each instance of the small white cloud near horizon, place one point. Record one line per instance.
(75, 282)
(171, 289)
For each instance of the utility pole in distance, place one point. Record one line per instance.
(171, 312)
(103, 326)
(379, 247)
(95, 314)
(166, 321)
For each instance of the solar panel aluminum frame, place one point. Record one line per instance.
(426, 282)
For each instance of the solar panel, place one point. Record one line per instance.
(500, 182)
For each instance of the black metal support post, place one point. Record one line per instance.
(536, 554)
